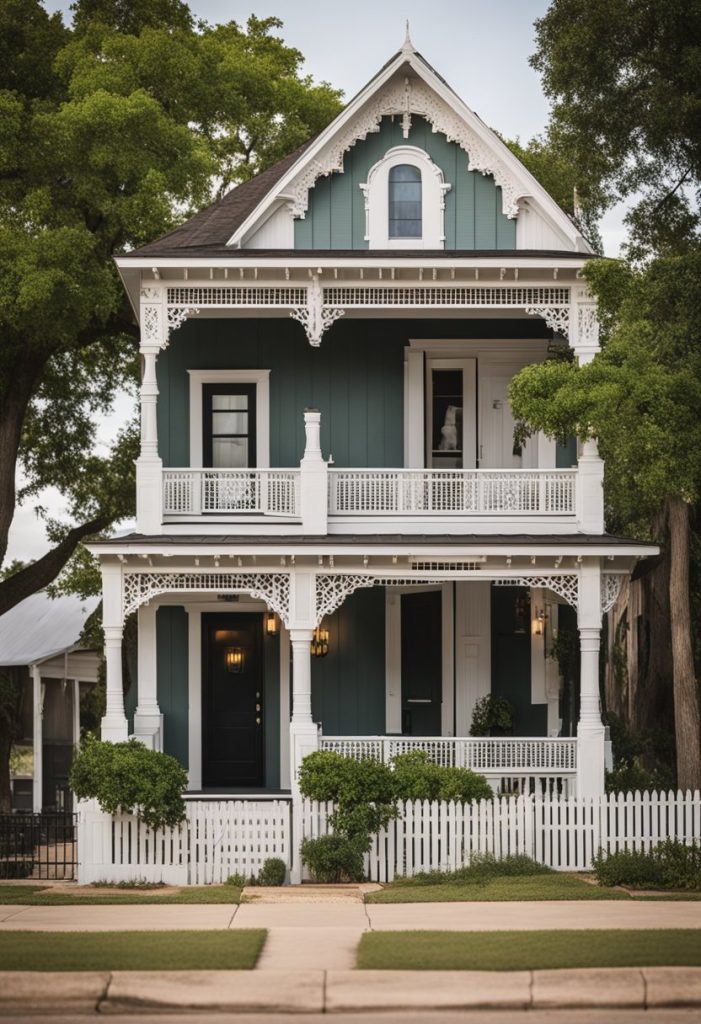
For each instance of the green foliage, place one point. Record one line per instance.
(481, 869)
(624, 78)
(669, 865)
(490, 713)
(634, 778)
(362, 792)
(127, 778)
(415, 777)
(273, 872)
(334, 858)
(237, 880)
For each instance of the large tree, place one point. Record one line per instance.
(112, 129)
(624, 78)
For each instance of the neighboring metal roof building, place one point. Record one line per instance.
(40, 627)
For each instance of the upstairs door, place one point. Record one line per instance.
(421, 663)
(229, 426)
(451, 413)
(232, 701)
(496, 424)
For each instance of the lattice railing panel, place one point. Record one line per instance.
(452, 492)
(484, 754)
(268, 492)
(455, 296)
(231, 296)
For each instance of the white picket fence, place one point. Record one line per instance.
(218, 838)
(563, 833)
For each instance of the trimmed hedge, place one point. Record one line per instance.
(669, 865)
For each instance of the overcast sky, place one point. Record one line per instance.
(480, 46)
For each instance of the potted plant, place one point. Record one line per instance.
(492, 716)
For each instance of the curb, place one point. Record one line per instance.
(314, 991)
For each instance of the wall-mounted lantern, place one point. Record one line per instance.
(538, 622)
(320, 642)
(271, 624)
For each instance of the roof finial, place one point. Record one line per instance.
(408, 46)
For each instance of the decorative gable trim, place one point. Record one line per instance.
(376, 194)
(423, 94)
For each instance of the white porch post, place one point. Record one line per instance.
(304, 734)
(314, 475)
(114, 723)
(590, 489)
(148, 465)
(37, 740)
(590, 729)
(148, 721)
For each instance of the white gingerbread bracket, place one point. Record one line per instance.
(315, 317)
(273, 588)
(565, 585)
(611, 584)
(158, 319)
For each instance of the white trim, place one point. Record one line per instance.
(285, 654)
(393, 656)
(194, 696)
(376, 193)
(469, 395)
(261, 378)
(37, 739)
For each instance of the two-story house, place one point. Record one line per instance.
(338, 542)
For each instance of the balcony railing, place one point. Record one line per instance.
(264, 492)
(488, 755)
(452, 492)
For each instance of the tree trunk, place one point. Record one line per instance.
(13, 409)
(686, 696)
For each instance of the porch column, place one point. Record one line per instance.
(37, 740)
(590, 489)
(314, 473)
(590, 729)
(148, 465)
(148, 721)
(114, 724)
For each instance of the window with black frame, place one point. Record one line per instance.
(404, 201)
(229, 427)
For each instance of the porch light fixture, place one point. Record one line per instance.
(233, 658)
(539, 620)
(271, 624)
(320, 642)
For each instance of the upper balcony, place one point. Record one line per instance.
(317, 499)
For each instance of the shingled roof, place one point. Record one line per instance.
(214, 226)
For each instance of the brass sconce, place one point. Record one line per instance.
(320, 642)
(233, 658)
(271, 624)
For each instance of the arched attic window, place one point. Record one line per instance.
(405, 201)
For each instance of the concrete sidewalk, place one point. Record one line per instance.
(315, 991)
(326, 936)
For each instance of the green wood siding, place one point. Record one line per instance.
(348, 685)
(511, 662)
(473, 217)
(356, 380)
(172, 679)
(271, 709)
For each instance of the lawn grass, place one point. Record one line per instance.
(514, 951)
(237, 949)
(506, 887)
(46, 896)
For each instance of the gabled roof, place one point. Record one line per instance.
(40, 627)
(407, 84)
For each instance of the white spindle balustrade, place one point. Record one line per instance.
(266, 492)
(452, 492)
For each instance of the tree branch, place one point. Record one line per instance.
(42, 572)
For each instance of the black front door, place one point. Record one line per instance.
(422, 671)
(232, 701)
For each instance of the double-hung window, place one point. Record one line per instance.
(404, 193)
(229, 426)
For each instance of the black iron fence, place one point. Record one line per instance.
(42, 846)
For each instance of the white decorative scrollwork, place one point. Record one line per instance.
(151, 317)
(273, 588)
(176, 317)
(315, 317)
(587, 325)
(332, 590)
(402, 100)
(556, 317)
(566, 585)
(611, 583)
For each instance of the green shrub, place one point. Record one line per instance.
(362, 792)
(237, 880)
(492, 714)
(669, 865)
(479, 870)
(273, 872)
(633, 778)
(415, 777)
(333, 858)
(128, 778)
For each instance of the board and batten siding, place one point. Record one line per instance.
(355, 378)
(473, 205)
